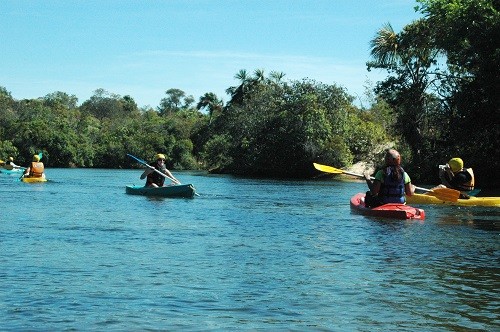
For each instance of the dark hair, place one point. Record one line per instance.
(394, 172)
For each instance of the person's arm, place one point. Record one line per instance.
(369, 181)
(373, 185)
(460, 178)
(166, 171)
(146, 172)
(409, 188)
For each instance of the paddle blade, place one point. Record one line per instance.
(327, 169)
(445, 194)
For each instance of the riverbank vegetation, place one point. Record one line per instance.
(439, 100)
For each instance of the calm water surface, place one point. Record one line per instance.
(77, 253)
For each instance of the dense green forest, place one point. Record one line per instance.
(439, 100)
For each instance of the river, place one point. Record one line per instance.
(77, 253)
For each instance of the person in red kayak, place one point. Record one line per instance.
(154, 179)
(391, 184)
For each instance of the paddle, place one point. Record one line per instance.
(445, 194)
(154, 169)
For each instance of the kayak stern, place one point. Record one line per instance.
(391, 210)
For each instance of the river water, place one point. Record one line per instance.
(77, 253)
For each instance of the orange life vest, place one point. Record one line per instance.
(36, 169)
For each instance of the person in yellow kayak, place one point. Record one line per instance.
(153, 178)
(10, 165)
(36, 168)
(391, 184)
(453, 175)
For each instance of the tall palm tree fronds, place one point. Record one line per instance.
(385, 46)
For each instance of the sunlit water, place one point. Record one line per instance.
(77, 253)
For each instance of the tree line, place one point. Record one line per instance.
(439, 100)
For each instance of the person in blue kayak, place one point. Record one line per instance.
(36, 168)
(10, 165)
(453, 175)
(153, 176)
(391, 184)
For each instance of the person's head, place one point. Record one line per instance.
(36, 158)
(392, 158)
(11, 159)
(456, 164)
(160, 157)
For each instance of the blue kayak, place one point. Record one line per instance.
(16, 171)
(180, 190)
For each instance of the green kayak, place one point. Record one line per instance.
(180, 190)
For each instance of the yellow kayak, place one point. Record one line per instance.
(472, 201)
(32, 180)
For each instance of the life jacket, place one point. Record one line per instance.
(155, 178)
(8, 165)
(462, 180)
(392, 190)
(36, 170)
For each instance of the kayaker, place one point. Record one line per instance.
(153, 178)
(36, 168)
(453, 175)
(10, 165)
(391, 184)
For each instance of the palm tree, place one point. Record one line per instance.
(259, 75)
(211, 103)
(276, 76)
(385, 46)
(237, 93)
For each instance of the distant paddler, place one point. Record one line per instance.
(10, 165)
(36, 169)
(157, 172)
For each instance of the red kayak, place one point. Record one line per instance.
(391, 210)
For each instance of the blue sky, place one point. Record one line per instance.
(143, 48)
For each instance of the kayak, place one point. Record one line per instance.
(33, 180)
(11, 171)
(390, 210)
(472, 201)
(180, 190)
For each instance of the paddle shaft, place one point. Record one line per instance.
(446, 194)
(372, 178)
(154, 169)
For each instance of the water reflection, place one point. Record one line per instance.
(487, 219)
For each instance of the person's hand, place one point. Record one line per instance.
(367, 175)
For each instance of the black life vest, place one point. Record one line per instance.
(392, 190)
(155, 178)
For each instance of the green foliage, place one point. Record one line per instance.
(175, 101)
(7, 149)
(273, 128)
(444, 74)
(216, 152)
(97, 134)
